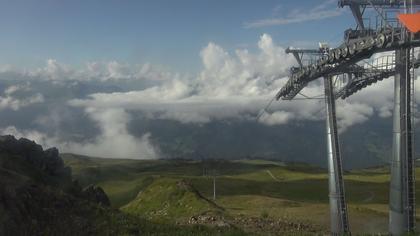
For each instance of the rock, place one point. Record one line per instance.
(37, 196)
(74, 188)
(223, 224)
(48, 161)
(272, 225)
(96, 194)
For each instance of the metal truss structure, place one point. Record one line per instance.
(347, 62)
(366, 77)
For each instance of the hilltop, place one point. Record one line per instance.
(167, 199)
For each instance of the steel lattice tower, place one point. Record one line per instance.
(402, 203)
(360, 44)
(338, 207)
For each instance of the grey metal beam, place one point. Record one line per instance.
(338, 208)
(365, 48)
(298, 58)
(306, 51)
(368, 77)
(358, 83)
(381, 3)
(357, 14)
(298, 53)
(402, 204)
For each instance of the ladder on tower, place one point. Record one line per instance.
(411, 162)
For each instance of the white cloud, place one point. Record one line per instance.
(93, 71)
(11, 101)
(238, 86)
(53, 71)
(327, 9)
(113, 70)
(15, 88)
(230, 86)
(33, 135)
(349, 114)
(276, 118)
(114, 141)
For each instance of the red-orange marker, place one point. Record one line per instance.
(411, 21)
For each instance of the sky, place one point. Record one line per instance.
(93, 77)
(162, 32)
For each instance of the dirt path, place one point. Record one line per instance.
(370, 197)
(272, 176)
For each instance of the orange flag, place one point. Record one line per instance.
(411, 21)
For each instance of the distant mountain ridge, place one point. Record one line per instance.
(363, 145)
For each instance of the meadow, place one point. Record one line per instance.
(294, 194)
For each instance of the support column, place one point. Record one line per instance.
(338, 207)
(401, 199)
(214, 188)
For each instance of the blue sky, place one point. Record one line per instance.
(164, 32)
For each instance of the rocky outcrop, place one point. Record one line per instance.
(279, 226)
(38, 196)
(96, 194)
(184, 184)
(208, 218)
(26, 157)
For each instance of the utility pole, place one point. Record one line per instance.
(214, 187)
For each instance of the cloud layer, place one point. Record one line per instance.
(16, 97)
(229, 86)
(88, 110)
(114, 141)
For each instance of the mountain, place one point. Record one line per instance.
(363, 145)
(39, 197)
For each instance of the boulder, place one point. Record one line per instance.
(96, 194)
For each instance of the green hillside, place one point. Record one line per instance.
(260, 197)
(167, 199)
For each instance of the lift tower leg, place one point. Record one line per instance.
(402, 203)
(338, 207)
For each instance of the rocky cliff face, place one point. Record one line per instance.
(38, 196)
(28, 158)
(96, 194)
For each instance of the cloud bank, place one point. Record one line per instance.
(96, 103)
(16, 97)
(114, 142)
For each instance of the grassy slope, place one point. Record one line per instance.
(296, 193)
(165, 200)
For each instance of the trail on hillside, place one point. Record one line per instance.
(370, 197)
(272, 176)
